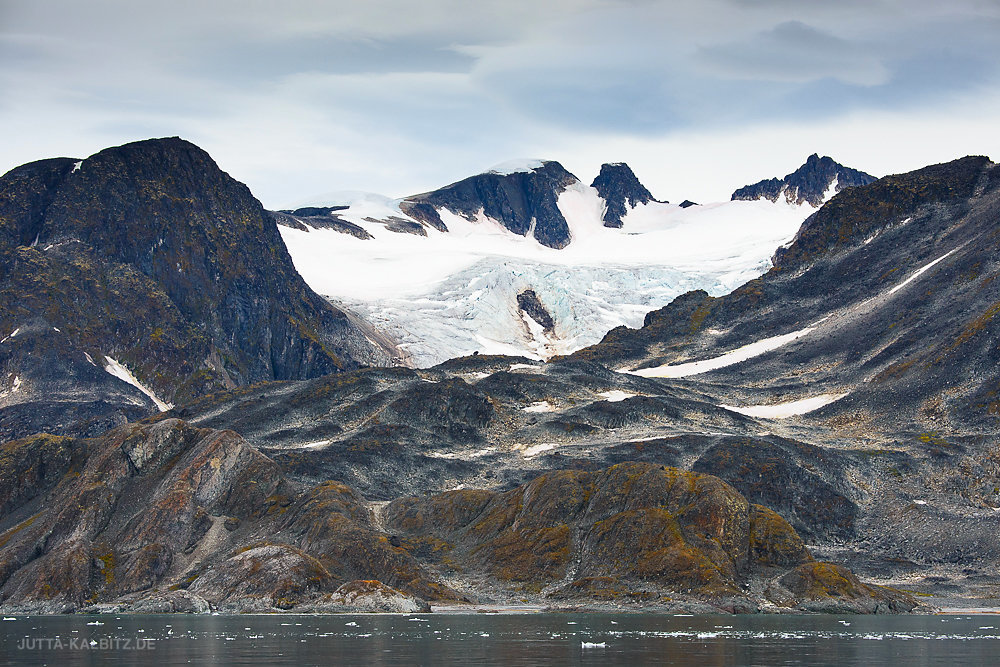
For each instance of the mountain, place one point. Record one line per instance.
(621, 191)
(520, 196)
(807, 441)
(442, 273)
(871, 335)
(814, 183)
(851, 389)
(165, 517)
(150, 263)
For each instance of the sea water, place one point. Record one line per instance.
(488, 639)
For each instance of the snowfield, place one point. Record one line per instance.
(452, 293)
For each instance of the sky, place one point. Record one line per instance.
(303, 98)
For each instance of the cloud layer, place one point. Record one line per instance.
(389, 95)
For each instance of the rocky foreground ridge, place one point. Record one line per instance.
(164, 516)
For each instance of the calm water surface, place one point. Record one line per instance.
(484, 639)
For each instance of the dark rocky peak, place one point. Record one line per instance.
(621, 190)
(809, 183)
(164, 226)
(523, 199)
(310, 211)
(857, 214)
(529, 303)
(687, 203)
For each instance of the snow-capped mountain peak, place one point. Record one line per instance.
(523, 165)
(815, 182)
(442, 272)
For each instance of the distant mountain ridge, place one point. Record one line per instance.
(627, 251)
(523, 201)
(814, 182)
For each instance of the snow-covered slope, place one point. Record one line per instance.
(443, 294)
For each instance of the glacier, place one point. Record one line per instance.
(454, 293)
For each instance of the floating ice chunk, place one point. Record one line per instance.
(728, 359)
(122, 373)
(785, 410)
(584, 645)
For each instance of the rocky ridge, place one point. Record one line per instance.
(147, 260)
(814, 182)
(168, 517)
(523, 201)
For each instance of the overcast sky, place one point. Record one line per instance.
(300, 98)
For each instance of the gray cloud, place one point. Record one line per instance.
(445, 83)
(796, 52)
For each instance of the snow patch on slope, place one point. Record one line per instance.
(14, 388)
(789, 409)
(119, 371)
(922, 270)
(616, 395)
(831, 190)
(728, 359)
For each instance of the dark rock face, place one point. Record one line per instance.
(687, 203)
(314, 211)
(152, 255)
(143, 511)
(49, 382)
(814, 507)
(320, 221)
(164, 517)
(423, 212)
(632, 530)
(621, 190)
(808, 183)
(529, 302)
(524, 202)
